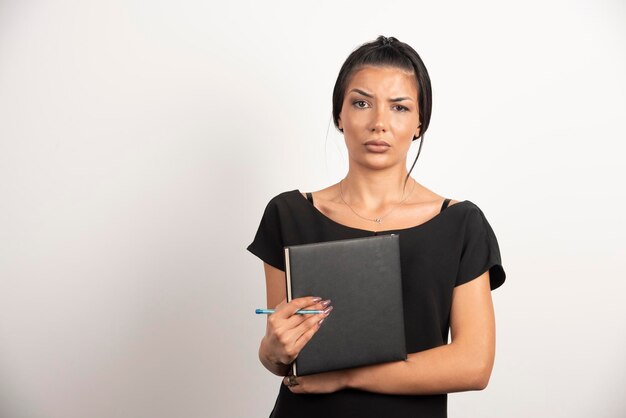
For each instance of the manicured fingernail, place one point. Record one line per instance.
(316, 299)
(327, 310)
(321, 320)
(326, 303)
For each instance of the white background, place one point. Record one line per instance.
(141, 140)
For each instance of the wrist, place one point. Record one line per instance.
(271, 364)
(264, 354)
(348, 379)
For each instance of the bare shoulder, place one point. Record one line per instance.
(329, 193)
(426, 195)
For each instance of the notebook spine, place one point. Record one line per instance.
(289, 295)
(288, 275)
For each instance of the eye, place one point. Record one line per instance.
(361, 104)
(401, 108)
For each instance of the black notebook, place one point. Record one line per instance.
(362, 277)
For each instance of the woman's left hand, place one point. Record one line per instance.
(328, 382)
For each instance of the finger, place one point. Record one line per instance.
(288, 327)
(277, 322)
(296, 319)
(305, 331)
(292, 337)
(290, 324)
(318, 306)
(292, 307)
(296, 389)
(305, 323)
(286, 380)
(293, 388)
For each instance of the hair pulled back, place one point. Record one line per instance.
(387, 52)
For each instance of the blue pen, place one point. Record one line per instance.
(300, 311)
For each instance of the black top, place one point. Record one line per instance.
(452, 248)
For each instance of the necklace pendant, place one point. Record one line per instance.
(378, 220)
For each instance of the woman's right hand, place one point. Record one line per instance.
(287, 332)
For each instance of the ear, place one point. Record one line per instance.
(418, 131)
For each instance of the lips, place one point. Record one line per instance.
(377, 146)
(377, 142)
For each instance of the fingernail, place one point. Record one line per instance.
(316, 299)
(327, 310)
(321, 320)
(326, 303)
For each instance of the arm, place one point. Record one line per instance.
(464, 364)
(286, 333)
(275, 289)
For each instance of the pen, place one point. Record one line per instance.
(300, 311)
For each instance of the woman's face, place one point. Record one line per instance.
(380, 104)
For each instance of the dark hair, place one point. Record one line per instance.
(387, 52)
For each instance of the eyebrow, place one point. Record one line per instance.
(397, 99)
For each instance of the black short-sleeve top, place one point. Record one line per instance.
(452, 248)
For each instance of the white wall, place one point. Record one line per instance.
(140, 142)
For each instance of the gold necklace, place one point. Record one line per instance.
(380, 218)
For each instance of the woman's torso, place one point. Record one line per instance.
(428, 251)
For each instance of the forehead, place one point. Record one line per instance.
(384, 80)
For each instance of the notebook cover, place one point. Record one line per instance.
(362, 277)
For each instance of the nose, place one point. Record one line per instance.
(379, 120)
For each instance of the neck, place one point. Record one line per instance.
(375, 189)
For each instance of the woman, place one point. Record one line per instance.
(450, 257)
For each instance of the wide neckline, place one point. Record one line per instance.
(321, 214)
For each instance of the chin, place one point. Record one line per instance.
(377, 162)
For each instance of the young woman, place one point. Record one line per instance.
(450, 257)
